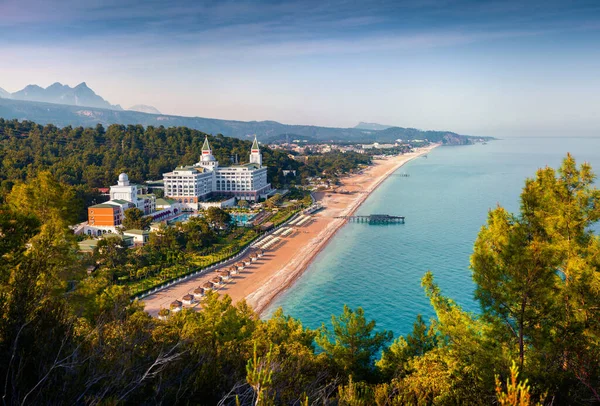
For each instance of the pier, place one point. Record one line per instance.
(375, 219)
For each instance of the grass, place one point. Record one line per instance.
(282, 216)
(226, 248)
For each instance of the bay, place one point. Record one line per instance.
(445, 200)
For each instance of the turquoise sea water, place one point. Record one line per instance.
(445, 200)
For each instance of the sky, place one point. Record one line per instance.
(498, 68)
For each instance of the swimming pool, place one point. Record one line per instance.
(182, 217)
(242, 218)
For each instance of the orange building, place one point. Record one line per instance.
(104, 215)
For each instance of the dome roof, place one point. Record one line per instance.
(123, 177)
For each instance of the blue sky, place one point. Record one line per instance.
(497, 68)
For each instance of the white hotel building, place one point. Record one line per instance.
(195, 183)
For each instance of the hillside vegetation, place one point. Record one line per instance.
(75, 116)
(70, 337)
(89, 158)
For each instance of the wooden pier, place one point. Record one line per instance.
(375, 219)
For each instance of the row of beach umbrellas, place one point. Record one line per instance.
(223, 276)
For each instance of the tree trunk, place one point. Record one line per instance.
(521, 334)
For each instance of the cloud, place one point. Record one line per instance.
(239, 54)
(293, 27)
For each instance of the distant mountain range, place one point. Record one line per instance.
(372, 126)
(63, 106)
(267, 131)
(143, 108)
(80, 95)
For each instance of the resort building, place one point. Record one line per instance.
(139, 237)
(106, 217)
(191, 185)
(136, 194)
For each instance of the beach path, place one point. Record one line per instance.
(262, 281)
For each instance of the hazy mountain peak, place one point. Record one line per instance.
(32, 87)
(267, 131)
(80, 95)
(143, 108)
(4, 94)
(372, 126)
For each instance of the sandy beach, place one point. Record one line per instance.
(272, 274)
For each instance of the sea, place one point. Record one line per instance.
(445, 199)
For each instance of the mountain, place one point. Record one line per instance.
(267, 131)
(4, 94)
(80, 95)
(142, 108)
(372, 126)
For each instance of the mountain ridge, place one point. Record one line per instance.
(267, 131)
(144, 108)
(57, 93)
(372, 126)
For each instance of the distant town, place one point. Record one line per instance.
(303, 148)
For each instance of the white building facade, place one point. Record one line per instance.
(136, 194)
(190, 185)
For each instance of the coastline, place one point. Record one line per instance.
(263, 281)
(265, 299)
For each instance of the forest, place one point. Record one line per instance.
(267, 131)
(90, 158)
(72, 337)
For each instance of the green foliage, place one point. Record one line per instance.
(307, 201)
(90, 158)
(217, 217)
(517, 393)
(197, 234)
(296, 194)
(356, 394)
(538, 282)
(296, 366)
(44, 197)
(95, 156)
(259, 375)
(352, 345)
(333, 164)
(20, 228)
(135, 220)
(394, 360)
(274, 201)
(110, 252)
(71, 338)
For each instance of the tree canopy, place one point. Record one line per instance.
(73, 337)
(217, 217)
(135, 219)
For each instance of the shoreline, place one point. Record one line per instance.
(263, 281)
(264, 304)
